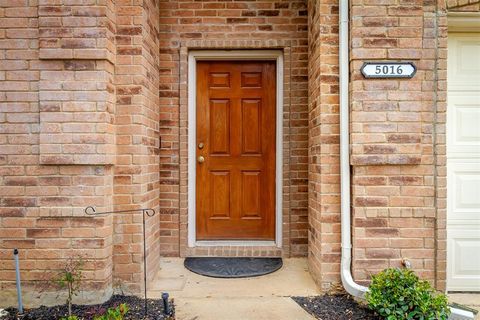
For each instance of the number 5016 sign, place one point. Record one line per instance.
(388, 69)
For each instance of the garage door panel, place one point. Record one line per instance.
(467, 193)
(464, 117)
(463, 62)
(464, 266)
(464, 191)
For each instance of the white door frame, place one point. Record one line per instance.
(193, 57)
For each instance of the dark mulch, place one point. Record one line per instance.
(338, 307)
(87, 312)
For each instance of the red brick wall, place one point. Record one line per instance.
(88, 87)
(208, 24)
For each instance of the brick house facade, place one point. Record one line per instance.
(94, 112)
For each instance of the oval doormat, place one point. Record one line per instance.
(232, 267)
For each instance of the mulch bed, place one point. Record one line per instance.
(87, 312)
(338, 307)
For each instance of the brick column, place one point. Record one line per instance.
(324, 157)
(57, 142)
(137, 166)
(392, 138)
(79, 127)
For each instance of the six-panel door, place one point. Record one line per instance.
(235, 150)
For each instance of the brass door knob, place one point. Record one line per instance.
(201, 159)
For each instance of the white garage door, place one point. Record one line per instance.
(463, 162)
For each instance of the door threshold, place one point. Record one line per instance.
(234, 243)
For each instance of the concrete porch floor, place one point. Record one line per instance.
(266, 297)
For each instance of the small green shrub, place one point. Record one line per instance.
(70, 318)
(71, 277)
(397, 294)
(114, 313)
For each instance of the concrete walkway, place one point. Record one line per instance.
(267, 297)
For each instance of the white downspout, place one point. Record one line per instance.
(349, 284)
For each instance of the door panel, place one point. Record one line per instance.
(464, 192)
(251, 185)
(219, 79)
(464, 258)
(251, 126)
(220, 186)
(463, 163)
(220, 126)
(236, 121)
(463, 62)
(464, 116)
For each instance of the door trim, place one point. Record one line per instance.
(193, 57)
(463, 22)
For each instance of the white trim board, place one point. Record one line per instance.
(463, 21)
(193, 57)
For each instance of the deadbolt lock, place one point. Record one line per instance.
(201, 145)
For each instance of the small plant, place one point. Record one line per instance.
(118, 287)
(70, 277)
(398, 294)
(114, 313)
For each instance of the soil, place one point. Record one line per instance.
(87, 312)
(335, 307)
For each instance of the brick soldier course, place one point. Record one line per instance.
(94, 111)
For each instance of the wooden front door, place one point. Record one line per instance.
(236, 120)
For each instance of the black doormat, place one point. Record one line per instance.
(233, 267)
